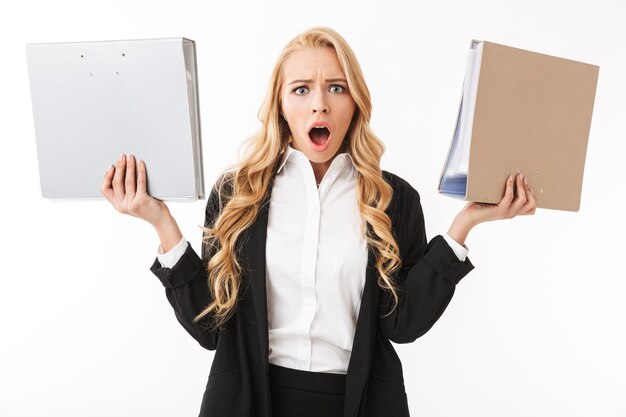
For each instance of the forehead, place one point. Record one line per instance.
(309, 62)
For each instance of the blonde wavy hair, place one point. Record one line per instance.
(243, 190)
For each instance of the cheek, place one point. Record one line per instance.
(347, 113)
(295, 110)
(288, 103)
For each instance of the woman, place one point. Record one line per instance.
(313, 258)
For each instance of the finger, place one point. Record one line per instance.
(521, 199)
(130, 183)
(105, 187)
(508, 195)
(118, 180)
(141, 178)
(531, 204)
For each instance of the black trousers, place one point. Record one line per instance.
(297, 393)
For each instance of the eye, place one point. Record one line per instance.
(336, 88)
(300, 90)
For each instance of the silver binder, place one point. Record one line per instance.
(93, 101)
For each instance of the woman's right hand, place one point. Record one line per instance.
(128, 195)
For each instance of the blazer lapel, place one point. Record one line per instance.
(254, 250)
(363, 343)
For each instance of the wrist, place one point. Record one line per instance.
(460, 228)
(164, 220)
(168, 231)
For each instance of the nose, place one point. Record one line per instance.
(322, 107)
(319, 104)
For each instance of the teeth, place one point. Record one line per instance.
(319, 127)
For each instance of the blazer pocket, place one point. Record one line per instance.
(224, 395)
(390, 384)
(385, 398)
(224, 376)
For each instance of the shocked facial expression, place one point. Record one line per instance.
(316, 102)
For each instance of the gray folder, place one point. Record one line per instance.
(93, 101)
(521, 111)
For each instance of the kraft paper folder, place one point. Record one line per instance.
(521, 111)
(93, 101)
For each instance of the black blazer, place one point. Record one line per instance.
(238, 383)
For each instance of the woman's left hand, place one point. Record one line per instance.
(524, 204)
(475, 213)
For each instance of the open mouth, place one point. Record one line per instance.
(319, 135)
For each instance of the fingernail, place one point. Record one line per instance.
(109, 167)
(120, 158)
(510, 177)
(525, 180)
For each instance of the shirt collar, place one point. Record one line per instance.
(290, 152)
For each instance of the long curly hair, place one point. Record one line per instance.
(243, 190)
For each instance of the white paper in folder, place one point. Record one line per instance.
(454, 178)
(93, 101)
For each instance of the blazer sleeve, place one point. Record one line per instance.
(427, 278)
(186, 283)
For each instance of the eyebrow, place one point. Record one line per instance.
(328, 80)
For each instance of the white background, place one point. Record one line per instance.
(538, 328)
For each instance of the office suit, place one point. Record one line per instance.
(238, 380)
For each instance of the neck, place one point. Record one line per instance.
(320, 168)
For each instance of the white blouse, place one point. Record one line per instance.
(316, 257)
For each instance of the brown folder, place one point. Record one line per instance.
(531, 114)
